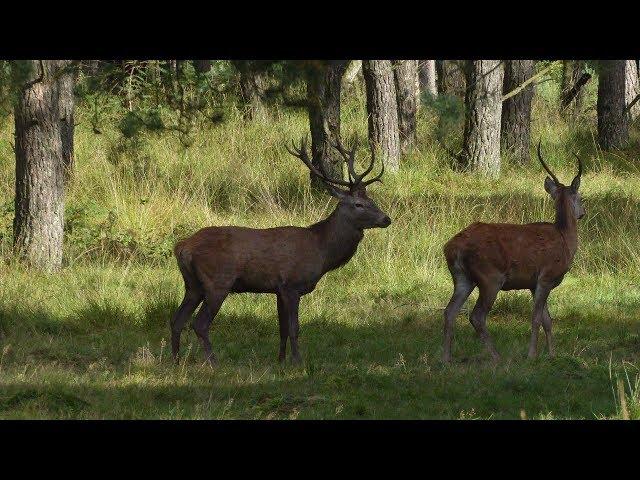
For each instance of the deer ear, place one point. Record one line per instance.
(575, 184)
(336, 192)
(551, 187)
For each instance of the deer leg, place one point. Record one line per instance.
(191, 301)
(546, 325)
(462, 288)
(291, 302)
(202, 322)
(540, 296)
(535, 329)
(283, 323)
(478, 317)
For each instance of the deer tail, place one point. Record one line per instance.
(454, 253)
(183, 256)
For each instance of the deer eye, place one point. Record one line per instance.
(359, 205)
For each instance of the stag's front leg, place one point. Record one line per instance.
(283, 323)
(291, 301)
(540, 296)
(546, 325)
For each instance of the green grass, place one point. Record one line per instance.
(91, 341)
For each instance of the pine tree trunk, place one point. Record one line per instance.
(451, 77)
(324, 80)
(571, 72)
(407, 91)
(39, 200)
(427, 72)
(355, 66)
(252, 87)
(613, 122)
(483, 101)
(67, 80)
(515, 132)
(632, 88)
(382, 110)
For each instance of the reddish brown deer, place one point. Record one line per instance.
(502, 256)
(286, 261)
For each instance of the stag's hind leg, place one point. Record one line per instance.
(193, 295)
(214, 299)
(462, 288)
(192, 299)
(488, 293)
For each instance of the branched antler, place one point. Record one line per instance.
(355, 180)
(377, 178)
(349, 157)
(302, 153)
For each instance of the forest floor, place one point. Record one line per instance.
(92, 340)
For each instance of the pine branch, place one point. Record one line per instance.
(573, 92)
(527, 82)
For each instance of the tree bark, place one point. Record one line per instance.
(613, 121)
(515, 132)
(355, 66)
(39, 201)
(428, 77)
(451, 77)
(324, 80)
(632, 88)
(67, 80)
(382, 110)
(253, 84)
(571, 72)
(483, 102)
(407, 92)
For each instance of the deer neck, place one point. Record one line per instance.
(567, 224)
(339, 239)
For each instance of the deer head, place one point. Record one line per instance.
(559, 191)
(353, 203)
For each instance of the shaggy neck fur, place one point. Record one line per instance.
(339, 237)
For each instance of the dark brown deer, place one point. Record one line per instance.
(286, 261)
(502, 256)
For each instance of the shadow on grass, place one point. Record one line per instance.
(382, 367)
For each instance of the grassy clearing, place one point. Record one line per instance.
(91, 342)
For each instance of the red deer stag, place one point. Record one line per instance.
(286, 261)
(502, 256)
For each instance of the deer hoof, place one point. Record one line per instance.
(212, 361)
